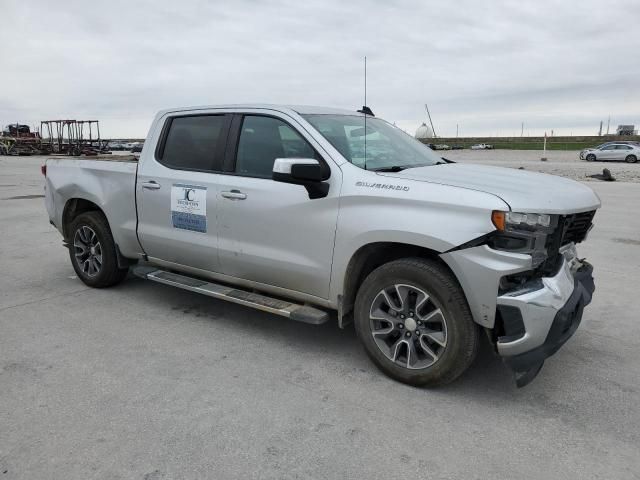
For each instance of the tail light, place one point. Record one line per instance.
(43, 170)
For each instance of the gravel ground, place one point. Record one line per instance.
(563, 163)
(144, 381)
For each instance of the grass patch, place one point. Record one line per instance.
(539, 145)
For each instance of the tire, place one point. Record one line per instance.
(631, 159)
(591, 157)
(93, 251)
(451, 335)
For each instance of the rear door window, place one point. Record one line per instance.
(195, 142)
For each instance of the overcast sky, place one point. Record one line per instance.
(486, 66)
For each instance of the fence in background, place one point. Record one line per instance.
(533, 143)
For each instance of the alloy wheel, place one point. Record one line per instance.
(88, 251)
(408, 326)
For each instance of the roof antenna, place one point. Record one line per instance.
(366, 111)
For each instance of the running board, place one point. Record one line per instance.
(293, 311)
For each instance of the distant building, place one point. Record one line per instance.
(626, 130)
(424, 132)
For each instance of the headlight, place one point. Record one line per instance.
(519, 221)
(523, 233)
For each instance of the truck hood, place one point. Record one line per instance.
(522, 191)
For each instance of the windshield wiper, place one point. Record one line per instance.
(392, 168)
(399, 168)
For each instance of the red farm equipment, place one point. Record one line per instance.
(18, 139)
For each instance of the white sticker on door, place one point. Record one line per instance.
(189, 207)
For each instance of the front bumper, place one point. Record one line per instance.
(550, 316)
(532, 322)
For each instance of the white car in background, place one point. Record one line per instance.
(630, 153)
(116, 146)
(481, 146)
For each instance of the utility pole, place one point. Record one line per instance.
(608, 121)
(600, 131)
(522, 130)
(456, 130)
(429, 115)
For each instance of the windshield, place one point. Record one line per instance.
(381, 146)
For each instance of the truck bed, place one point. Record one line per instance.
(108, 181)
(102, 158)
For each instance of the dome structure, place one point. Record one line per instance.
(424, 132)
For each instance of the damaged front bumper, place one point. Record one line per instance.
(535, 319)
(543, 319)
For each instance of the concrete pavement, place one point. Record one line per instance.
(150, 382)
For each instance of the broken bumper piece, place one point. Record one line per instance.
(540, 321)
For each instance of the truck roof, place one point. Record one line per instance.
(301, 109)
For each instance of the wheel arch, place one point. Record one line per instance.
(371, 256)
(77, 206)
(74, 207)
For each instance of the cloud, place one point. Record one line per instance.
(486, 66)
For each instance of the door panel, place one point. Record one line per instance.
(272, 232)
(277, 235)
(622, 151)
(176, 222)
(607, 153)
(177, 191)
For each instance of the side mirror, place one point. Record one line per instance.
(302, 171)
(297, 170)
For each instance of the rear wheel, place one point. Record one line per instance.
(93, 251)
(591, 157)
(631, 159)
(414, 322)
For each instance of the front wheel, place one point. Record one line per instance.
(631, 159)
(93, 251)
(591, 157)
(414, 322)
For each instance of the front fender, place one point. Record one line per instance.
(479, 270)
(432, 216)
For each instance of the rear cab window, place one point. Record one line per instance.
(194, 142)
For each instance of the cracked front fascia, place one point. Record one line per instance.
(479, 269)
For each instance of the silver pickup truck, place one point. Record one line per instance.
(311, 212)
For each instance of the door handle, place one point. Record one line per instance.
(151, 185)
(234, 195)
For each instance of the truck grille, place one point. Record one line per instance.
(571, 228)
(576, 227)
